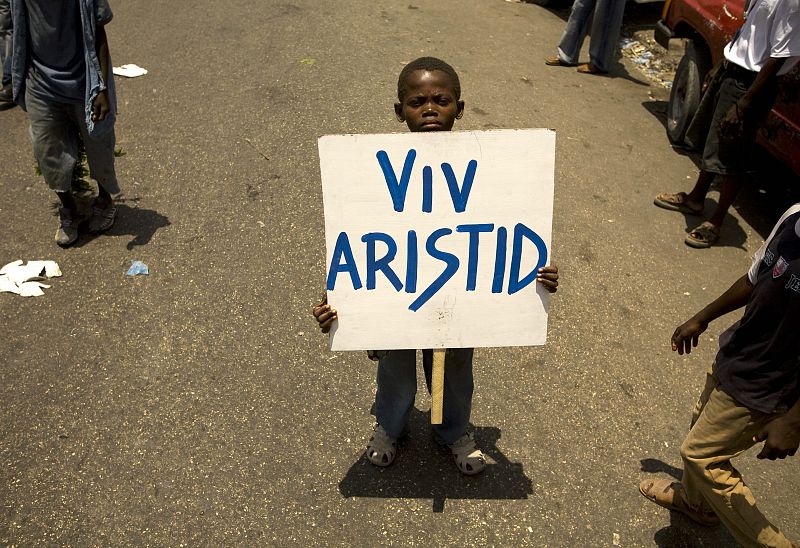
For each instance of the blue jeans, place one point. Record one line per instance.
(6, 70)
(606, 25)
(397, 388)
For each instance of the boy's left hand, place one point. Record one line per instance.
(781, 438)
(548, 277)
(101, 107)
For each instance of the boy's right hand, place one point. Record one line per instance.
(686, 335)
(324, 314)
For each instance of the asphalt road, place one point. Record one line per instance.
(199, 406)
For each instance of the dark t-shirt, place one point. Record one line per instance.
(57, 69)
(758, 363)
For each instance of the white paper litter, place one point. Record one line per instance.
(23, 280)
(130, 70)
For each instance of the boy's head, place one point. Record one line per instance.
(429, 95)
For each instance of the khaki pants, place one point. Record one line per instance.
(722, 429)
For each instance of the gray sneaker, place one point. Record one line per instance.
(102, 217)
(67, 231)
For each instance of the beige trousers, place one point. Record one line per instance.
(722, 429)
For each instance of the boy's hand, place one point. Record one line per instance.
(548, 277)
(101, 107)
(781, 438)
(687, 335)
(324, 314)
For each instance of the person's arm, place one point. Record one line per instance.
(102, 105)
(781, 436)
(687, 334)
(756, 101)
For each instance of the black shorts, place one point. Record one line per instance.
(723, 154)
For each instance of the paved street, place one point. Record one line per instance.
(199, 405)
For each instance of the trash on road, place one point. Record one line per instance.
(138, 267)
(24, 279)
(130, 71)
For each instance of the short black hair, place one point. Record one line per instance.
(430, 64)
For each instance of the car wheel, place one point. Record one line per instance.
(686, 90)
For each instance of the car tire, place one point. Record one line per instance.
(686, 90)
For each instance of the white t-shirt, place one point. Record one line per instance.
(771, 29)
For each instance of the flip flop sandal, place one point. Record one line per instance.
(703, 236)
(469, 459)
(676, 202)
(556, 61)
(381, 448)
(664, 492)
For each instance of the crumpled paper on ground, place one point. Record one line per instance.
(130, 70)
(24, 280)
(138, 267)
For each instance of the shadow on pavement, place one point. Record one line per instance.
(425, 470)
(684, 533)
(138, 222)
(655, 466)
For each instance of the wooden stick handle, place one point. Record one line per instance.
(437, 386)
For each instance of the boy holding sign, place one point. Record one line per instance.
(429, 95)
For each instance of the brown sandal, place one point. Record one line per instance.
(555, 61)
(667, 493)
(676, 202)
(703, 236)
(589, 68)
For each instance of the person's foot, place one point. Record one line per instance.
(668, 494)
(556, 61)
(469, 459)
(703, 236)
(67, 231)
(381, 448)
(103, 215)
(678, 202)
(7, 98)
(589, 68)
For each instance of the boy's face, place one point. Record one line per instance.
(430, 102)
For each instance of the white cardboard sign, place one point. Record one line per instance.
(433, 239)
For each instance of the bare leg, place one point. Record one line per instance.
(731, 185)
(697, 196)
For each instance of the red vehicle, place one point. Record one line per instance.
(708, 25)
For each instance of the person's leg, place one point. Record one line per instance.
(606, 26)
(458, 389)
(731, 185)
(5, 40)
(723, 155)
(722, 430)
(397, 387)
(54, 139)
(100, 157)
(577, 26)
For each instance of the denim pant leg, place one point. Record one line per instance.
(5, 40)
(605, 32)
(577, 26)
(458, 388)
(397, 387)
(99, 153)
(55, 141)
